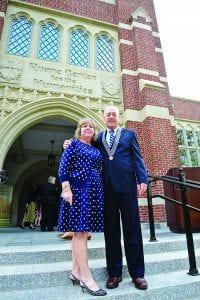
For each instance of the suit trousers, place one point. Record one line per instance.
(125, 206)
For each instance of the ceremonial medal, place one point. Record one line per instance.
(111, 151)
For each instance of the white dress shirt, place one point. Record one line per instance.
(108, 135)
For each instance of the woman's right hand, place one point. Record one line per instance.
(67, 143)
(68, 196)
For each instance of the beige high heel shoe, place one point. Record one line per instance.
(69, 236)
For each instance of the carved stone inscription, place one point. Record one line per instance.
(57, 78)
(63, 80)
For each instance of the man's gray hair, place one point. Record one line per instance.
(111, 107)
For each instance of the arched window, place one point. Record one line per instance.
(79, 48)
(104, 54)
(20, 36)
(49, 42)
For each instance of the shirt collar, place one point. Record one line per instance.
(115, 130)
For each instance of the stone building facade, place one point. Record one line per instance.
(63, 60)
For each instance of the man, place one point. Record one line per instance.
(49, 204)
(124, 175)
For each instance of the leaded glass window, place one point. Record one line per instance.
(198, 138)
(194, 159)
(79, 48)
(104, 54)
(189, 146)
(49, 42)
(183, 157)
(180, 137)
(20, 36)
(190, 137)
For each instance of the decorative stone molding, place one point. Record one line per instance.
(2, 14)
(109, 1)
(148, 84)
(11, 72)
(148, 111)
(158, 50)
(110, 87)
(140, 71)
(14, 97)
(140, 12)
(126, 42)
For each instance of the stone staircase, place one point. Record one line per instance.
(41, 270)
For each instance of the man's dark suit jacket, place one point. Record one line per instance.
(127, 167)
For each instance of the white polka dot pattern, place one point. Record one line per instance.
(81, 165)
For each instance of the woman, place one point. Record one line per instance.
(29, 215)
(82, 206)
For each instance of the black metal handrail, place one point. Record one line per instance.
(183, 187)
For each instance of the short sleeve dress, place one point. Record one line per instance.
(81, 165)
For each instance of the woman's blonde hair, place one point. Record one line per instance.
(82, 122)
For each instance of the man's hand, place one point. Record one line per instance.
(67, 143)
(141, 188)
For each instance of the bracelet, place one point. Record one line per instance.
(65, 185)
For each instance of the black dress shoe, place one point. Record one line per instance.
(113, 282)
(140, 283)
(74, 279)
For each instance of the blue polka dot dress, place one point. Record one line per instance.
(81, 165)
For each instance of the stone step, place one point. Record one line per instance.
(47, 274)
(175, 285)
(96, 249)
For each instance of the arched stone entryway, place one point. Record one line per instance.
(32, 113)
(21, 121)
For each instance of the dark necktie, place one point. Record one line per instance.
(112, 138)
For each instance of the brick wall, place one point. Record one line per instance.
(158, 211)
(125, 8)
(1, 25)
(87, 8)
(3, 5)
(3, 8)
(157, 136)
(158, 143)
(186, 109)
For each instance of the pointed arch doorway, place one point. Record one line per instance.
(18, 126)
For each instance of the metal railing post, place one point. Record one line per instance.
(188, 228)
(150, 211)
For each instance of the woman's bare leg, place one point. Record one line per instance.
(75, 267)
(80, 259)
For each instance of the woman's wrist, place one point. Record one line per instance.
(66, 186)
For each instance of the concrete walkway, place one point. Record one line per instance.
(15, 236)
